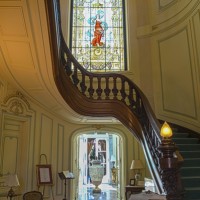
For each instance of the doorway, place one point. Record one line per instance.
(103, 147)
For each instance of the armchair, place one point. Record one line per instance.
(33, 195)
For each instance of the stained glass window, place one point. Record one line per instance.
(98, 34)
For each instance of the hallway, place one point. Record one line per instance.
(103, 146)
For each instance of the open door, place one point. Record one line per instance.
(104, 147)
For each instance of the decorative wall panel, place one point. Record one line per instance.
(17, 51)
(10, 154)
(12, 21)
(166, 3)
(60, 157)
(46, 137)
(196, 27)
(176, 75)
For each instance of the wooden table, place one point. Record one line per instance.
(129, 189)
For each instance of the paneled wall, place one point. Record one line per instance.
(28, 131)
(174, 34)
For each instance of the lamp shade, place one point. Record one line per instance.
(12, 180)
(136, 164)
(166, 131)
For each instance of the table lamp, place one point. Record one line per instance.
(137, 165)
(12, 181)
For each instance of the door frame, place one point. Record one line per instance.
(74, 158)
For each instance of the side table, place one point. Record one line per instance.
(129, 189)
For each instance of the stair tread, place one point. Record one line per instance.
(188, 177)
(190, 144)
(190, 167)
(191, 151)
(192, 188)
(185, 138)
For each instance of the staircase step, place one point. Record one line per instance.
(190, 171)
(191, 180)
(188, 147)
(190, 154)
(180, 135)
(186, 140)
(191, 162)
(192, 193)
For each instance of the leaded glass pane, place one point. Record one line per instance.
(98, 34)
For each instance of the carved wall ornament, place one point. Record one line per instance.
(16, 107)
(98, 126)
(16, 104)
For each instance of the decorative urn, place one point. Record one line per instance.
(96, 171)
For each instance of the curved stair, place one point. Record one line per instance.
(111, 94)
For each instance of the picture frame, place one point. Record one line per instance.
(132, 182)
(44, 174)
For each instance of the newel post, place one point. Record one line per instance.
(169, 165)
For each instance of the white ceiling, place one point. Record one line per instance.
(25, 58)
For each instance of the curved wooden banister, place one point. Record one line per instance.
(112, 94)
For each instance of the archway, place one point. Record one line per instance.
(108, 146)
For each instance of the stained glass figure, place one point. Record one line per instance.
(98, 34)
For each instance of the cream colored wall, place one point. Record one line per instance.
(27, 131)
(171, 34)
(163, 42)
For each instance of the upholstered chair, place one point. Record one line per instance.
(33, 195)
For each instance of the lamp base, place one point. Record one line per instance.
(137, 177)
(11, 193)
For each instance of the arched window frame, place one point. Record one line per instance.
(87, 61)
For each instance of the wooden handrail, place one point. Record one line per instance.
(112, 94)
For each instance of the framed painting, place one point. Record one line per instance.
(44, 174)
(132, 182)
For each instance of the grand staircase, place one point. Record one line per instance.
(188, 144)
(112, 94)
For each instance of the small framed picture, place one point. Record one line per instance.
(132, 182)
(44, 175)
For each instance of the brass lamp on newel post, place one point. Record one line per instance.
(169, 166)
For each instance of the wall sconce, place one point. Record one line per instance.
(12, 181)
(137, 165)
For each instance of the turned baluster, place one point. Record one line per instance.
(82, 84)
(91, 89)
(115, 90)
(107, 90)
(122, 91)
(75, 76)
(99, 90)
